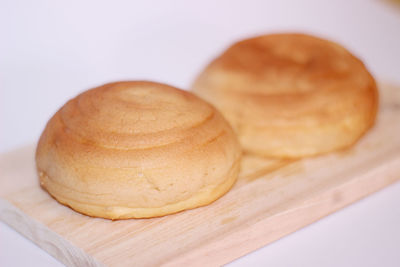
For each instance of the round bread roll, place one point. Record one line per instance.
(137, 150)
(291, 95)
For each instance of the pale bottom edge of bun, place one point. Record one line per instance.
(205, 196)
(291, 152)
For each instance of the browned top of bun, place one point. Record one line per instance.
(291, 63)
(134, 115)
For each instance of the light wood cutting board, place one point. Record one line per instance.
(270, 200)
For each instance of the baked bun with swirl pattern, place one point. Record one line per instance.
(137, 150)
(291, 95)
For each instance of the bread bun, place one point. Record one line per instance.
(137, 150)
(291, 95)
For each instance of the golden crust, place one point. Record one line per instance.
(291, 95)
(137, 150)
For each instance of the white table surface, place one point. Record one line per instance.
(52, 50)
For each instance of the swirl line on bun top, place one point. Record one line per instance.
(291, 95)
(135, 117)
(137, 149)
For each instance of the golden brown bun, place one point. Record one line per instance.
(291, 95)
(137, 150)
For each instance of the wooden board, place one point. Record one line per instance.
(270, 200)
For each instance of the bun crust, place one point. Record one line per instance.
(137, 150)
(291, 95)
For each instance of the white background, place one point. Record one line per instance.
(52, 50)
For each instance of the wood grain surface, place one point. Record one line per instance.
(271, 199)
